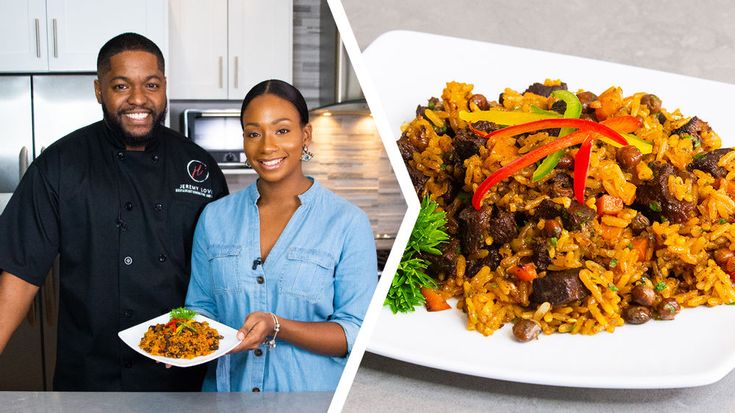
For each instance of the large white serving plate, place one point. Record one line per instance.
(696, 348)
(134, 334)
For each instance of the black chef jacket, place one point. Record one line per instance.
(122, 223)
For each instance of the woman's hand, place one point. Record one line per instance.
(255, 329)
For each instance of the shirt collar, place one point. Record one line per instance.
(306, 197)
(117, 142)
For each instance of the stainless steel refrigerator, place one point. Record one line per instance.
(35, 111)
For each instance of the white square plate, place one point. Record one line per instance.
(133, 335)
(696, 348)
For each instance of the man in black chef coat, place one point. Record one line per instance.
(118, 201)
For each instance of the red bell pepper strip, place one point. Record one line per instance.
(582, 168)
(580, 124)
(531, 157)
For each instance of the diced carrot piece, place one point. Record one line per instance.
(609, 205)
(434, 301)
(611, 101)
(640, 245)
(610, 233)
(526, 272)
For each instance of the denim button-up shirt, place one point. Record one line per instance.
(321, 268)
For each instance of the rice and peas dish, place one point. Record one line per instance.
(181, 337)
(571, 212)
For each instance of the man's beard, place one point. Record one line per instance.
(113, 122)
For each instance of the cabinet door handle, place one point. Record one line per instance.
(22, 162)
(237, 67)
(56, 38)
(221, 69)
(38, 38)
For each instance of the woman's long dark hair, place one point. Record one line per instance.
(281, 89)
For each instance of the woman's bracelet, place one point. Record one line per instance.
(276, 328)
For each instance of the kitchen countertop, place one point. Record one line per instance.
(685, 37)
(92, 402)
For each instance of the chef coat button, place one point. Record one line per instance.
(128, 260)
(158, 207)
(129, 206)
(127, 313)
(162, 258)
(155, 158)
(127, 364)
(258, 352)
(256, 389)
(260, 279)
(121, 155)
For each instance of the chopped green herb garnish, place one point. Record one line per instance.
(685, 136)
(663, 218)
(443, 167)
(722, 221)
(699, 155)
(553, 241)
(441, 131)
(428, 232)
(613, 263)
(182, 313)
(629, 246)
(659, 286)
(494, 285)
(431, 105)
(612, 287)
(655, 206)
(697, 143)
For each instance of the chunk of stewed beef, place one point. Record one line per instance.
(502, 226)
(491, 260)
(476, 225)
(543, 90)
(473, 228)
(446, 262)
(540, 256)
(693, 128)
(466, 144)
(654, 199)
(707, 162)
(558, 288)
(572, 218)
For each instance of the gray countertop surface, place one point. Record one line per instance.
(94, 402)
(694, 38)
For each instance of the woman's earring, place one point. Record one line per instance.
(305, 154)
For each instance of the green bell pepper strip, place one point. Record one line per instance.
(572, 111)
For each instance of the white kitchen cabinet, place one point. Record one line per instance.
(220, 49)
(23, 35)
(66, 35)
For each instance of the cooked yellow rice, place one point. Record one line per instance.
(680, 261)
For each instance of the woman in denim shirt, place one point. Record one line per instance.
(286, 261)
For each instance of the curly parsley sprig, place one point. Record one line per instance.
(428, 233)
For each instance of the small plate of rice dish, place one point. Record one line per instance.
(590, 210)
(179, 342)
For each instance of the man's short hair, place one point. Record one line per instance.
(123, 43)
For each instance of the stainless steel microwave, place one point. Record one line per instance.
(218, 132)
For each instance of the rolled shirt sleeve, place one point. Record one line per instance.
(356, 276)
